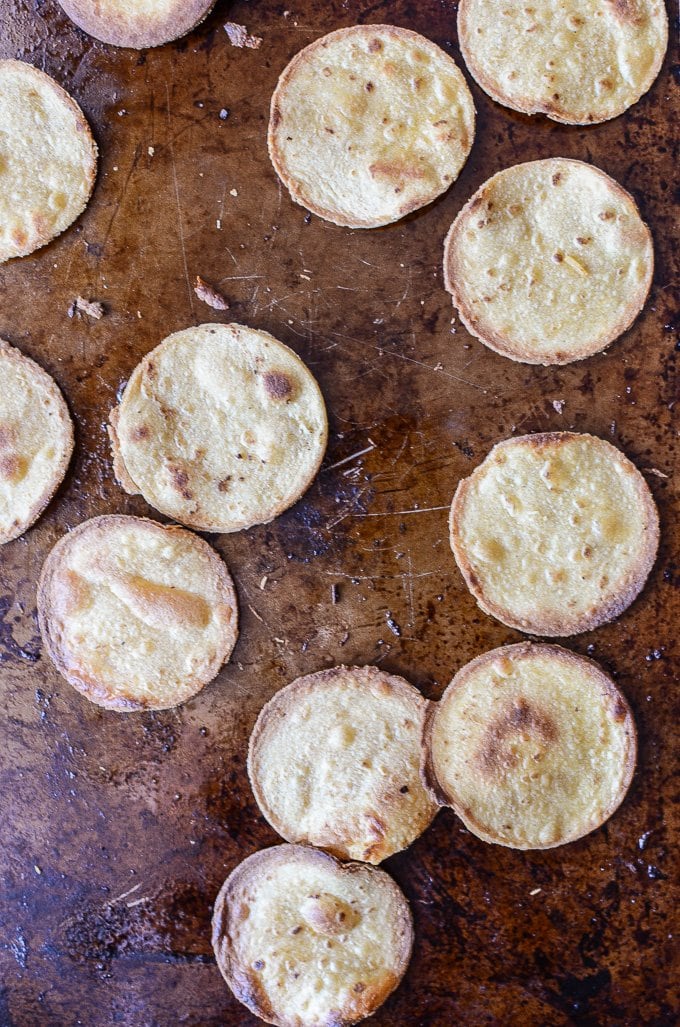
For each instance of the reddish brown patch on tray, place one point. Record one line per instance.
(277, 384)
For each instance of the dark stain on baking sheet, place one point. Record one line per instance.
(170, 926)
(118, 830)
(12, 617)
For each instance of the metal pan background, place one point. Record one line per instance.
(117, 831)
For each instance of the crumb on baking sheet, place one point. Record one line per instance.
(238, 36)
(94, 308)
(392, 624)
(208, 295)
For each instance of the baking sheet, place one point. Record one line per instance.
(117, 831)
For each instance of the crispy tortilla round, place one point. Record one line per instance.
(531, 745)
(370, 123)
(549, 261)
(48, 159)
(554, 533)
(136, 616)
(334, 761)
(36, 441)
(221, 427)
(579, 62)
(302, 939)
(137, 23)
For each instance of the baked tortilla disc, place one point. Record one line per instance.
(531, 745)
(578, 61)
(48, 159)
(554, 533)
(303, 940)
(137, 23)
(370, 123)
(136, 616)
(549, 261)
(334, 761)
(220, 427)
(36, 441)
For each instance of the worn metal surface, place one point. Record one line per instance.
(156, 808)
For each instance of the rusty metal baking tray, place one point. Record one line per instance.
(117, 831)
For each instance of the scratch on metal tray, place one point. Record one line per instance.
(121, 196)
(439, 370)
(180, 226)
(379, 577)
(352, 456)
(409, 578)
(118, 898)
(403, 513)
(347, 511)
